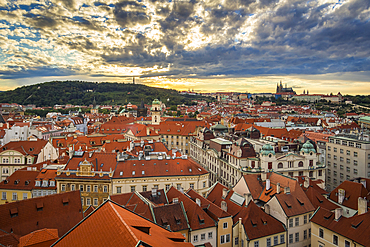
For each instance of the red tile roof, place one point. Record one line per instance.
(39, 238)
(356, 228)
(198, 219)
(26, 147)
(20, 180)
(113, 225)
(58, 211)
(257, 223)
(318, 200)
(352, 190)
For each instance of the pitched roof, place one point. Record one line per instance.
(198, 219)
(352, 190)
(214, 211)
(8, 239)
(356, 228)
(296, 202)
(26, 147)
(257, 223)
(20, 180)
(58, 211)
(172, 216)
(318, 200)
(215, 196)
(114, 225)
(41, 238)
(158, 168)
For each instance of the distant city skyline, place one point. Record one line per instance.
(232, 45)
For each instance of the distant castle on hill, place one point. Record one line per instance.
(282, 89)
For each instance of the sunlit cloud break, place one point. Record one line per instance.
(245, 44)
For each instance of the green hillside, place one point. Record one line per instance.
(83, 93)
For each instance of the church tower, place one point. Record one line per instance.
(156, 112)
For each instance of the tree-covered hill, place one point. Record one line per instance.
(83, 93)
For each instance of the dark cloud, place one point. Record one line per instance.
(136, 15)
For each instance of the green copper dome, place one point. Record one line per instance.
(267, 149)
(308, 147)
(156, 102)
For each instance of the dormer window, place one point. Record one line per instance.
(44, 183)
(38, 183)
(52, 183)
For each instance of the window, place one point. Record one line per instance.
(192, 186)
(81, 187)
(335, 149)
(282, 238)
(168, 186)
(341, 159)
(63, 187)
(355, 154)
(95, 201)
(341, 151)
(88, 188)
(210, 235)
(305, 234)
(105, 189)
(256, 243)
(348, 161)
(290, 222)
(25, 196)
(15, 197)
(225, 238)
(348, 152)
(347, 243)
(355, 162)
(204, 184)
(280, 165)
(145, 188)
(297, 236)
(300, 164)
(95, 188)
(358, 145)
(178, 186)
(276, 240)
(309, 231)
(5, 160)
(305, 219)
(225, 225)
(355, 171)
(335, 157)
(119, 190)
(329, 148)
(297, 221)
(88, 201)
(132, 188)
(329, 156)
(341, 167)
(203, 236)
(3, 196)
(321, 233)
(335, 239)
(236, 241)
(290, 238)
(268, 242)
(195, 238)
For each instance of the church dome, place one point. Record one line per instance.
(308, 147)
(156, 102)
(267, 149)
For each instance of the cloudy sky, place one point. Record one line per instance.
(209, 45)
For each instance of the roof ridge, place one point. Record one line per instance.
(124, 223)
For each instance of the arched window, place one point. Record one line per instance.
(280, 165)
(300, 164)
(155, 119)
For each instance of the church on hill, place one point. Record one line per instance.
(281, 89)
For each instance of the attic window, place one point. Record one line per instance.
(133, 172)
(142, 172)
(356, 223)
(201, 219)
(31, 149)
(144, 229)
(288, 204)
(13, 212)
(65, 201)
(321, 201)
(101, 165)
(189, 169)
(300, 201)
(254, 223)
(120, 173)
(328, 215)
(39, 206)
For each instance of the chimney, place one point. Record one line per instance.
(362, 206)
(224, 206)
(268, 185)
(248, 198)
(147, 131)
(197, 200)
(277, 188)
(263, 176)
(175, 200)
(306, 182)
(341, 195)
(267, 209)
(224, 193)
(287, 190)
(338, 213)
(154, 192)
(363, 181)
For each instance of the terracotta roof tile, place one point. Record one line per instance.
(352, 190)
(41, 238)
(113, 225)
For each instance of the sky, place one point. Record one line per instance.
(203, 45)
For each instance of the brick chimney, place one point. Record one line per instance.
(338, 213)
